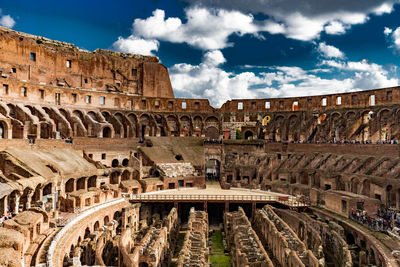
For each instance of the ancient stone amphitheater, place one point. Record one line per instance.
(102, 166)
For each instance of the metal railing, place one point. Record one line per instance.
(253, 198)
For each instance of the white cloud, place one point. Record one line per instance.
(214, 58)
(206, 29)
(387, 31)
(134, 45)
(329, 51)
(306, 19)
(6, 20)
(335, 27)
(209, 81)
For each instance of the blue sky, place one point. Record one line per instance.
(225, 49)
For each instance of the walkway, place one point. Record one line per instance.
(216, 194)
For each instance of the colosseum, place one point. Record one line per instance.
(102, 166)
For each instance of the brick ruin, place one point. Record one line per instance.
(100, 165)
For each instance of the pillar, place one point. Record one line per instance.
(29, 199)
(226, 206)
(205, 206)
(3, 206)
(17, 197)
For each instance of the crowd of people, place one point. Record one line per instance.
(337, 142)
(385, 219)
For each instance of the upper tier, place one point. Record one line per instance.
(40, 60)
(44, 71)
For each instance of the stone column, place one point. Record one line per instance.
(3, 206)
(29, 199)
(17, 198)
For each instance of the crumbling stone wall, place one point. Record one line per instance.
(246, 248)
(285, 245)
(195, 249)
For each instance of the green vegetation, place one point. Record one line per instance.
(217, 256)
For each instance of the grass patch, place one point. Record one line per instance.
(217, 255)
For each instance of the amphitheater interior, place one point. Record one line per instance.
(100, 165)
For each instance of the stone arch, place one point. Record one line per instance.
(173, 125)
(106, 220)
(145, 125)
(92, 182)
(87, 233)
(115, 163)
(96, 226)
(390, 196)
(132, 118)
(93, 115)
(106, 132)
(354, 184)
(198, 125)
(365, 187)
(81, 183)
(3, 130)
(114, 178)
(248, 134)
(69, 185)
(186, 127)
(78, 113)
(48, 189)
(125, 175)
(125, 162)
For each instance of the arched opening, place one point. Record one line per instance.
(47, 190)
(114, 163)
(106, 220)
(248, 135)
(3, 130)
(106, 132)
(390, 196)
(125, 162)
(92, 182)
(143, 264)
(212, 133)
(69, 185)
(87, 233)
(304, 178)
(125, 175)
(213, 170)
(350, 240)
(96, 226)
(81, 183)
(114, 178)
(354, 185)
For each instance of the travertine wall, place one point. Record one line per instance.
(246, 249)
(195, 250)
(285, 245)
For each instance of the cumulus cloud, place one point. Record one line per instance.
(387, 31)
(394, 37)
(306, 19)
(6, 20)
(135, 45)
(329, 51)
(206, 29)
(208, 80)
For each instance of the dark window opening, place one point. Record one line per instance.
(24, 92)
(327, 187)
(377, 196)
(134, 73)
(103, 156)
(196, 105)
(85, 80)
(143, 103)
(33, 57)
(74, 98)
(68, 63)
(5, 87)
(178, 157)
(41, 92)
(344, 206)
(279, 156)
(57, 98)
(389, 95)
(181, 183)
(13, 70)
(90, 156)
